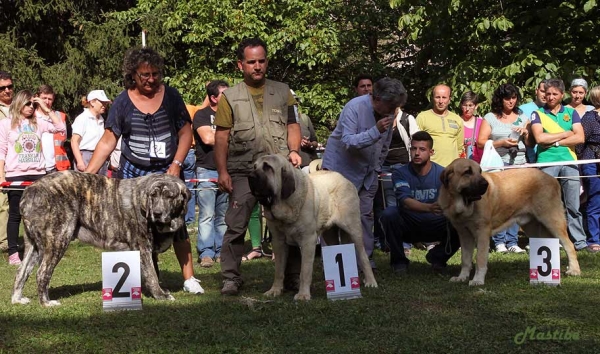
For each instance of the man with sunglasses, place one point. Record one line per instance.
(6, 93)
(6, 97)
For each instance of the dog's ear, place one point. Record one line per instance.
(288, 182)
(445, 176)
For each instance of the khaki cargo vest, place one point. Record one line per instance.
(252, 135)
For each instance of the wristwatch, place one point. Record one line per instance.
(557, 144)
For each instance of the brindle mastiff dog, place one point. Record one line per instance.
(298, 207)
(119, 215)
(482, 204)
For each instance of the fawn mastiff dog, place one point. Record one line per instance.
(298, 207)
(482, 204)
(131, 214)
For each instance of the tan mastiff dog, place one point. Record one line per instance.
(298, 207)
(482, 204)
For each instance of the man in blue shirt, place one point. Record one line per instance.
(358, 145)
(530, 107)
(417, 216)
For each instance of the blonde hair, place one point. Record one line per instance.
(595, 96)
(17, 105)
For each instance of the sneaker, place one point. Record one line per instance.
(192, 285)
(230, 287)
(206, 262)
(516, 249)
(14, 259)
(501, 248)
(430, 246)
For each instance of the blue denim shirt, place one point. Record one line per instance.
(356, 148)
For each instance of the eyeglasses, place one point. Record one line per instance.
(146, 76)
(28, 103)
(10, 87)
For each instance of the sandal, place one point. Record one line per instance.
(594, 248)
(255, 253)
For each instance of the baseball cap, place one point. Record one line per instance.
(98, 95)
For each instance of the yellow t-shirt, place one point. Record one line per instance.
(447, 133)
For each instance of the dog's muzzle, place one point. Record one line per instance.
(475, 190)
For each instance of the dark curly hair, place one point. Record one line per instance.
(134, 58)
(502, 92)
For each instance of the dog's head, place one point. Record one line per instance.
(272, 179)
(164, 201)
(463, 177)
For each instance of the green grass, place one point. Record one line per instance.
(416, 313)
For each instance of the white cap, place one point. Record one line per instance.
(97, 95)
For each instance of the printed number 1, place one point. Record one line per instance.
(340, 261)
(545, 260)
(117, 291)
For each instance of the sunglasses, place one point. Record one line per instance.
(28, 103)
(10, 87)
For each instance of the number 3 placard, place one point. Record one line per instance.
(341, 272)
(121, 281)
(544, 261)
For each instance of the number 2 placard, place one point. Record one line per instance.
(121, 281)
(341, 272)
(544, 261)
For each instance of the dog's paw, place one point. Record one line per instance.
(21, 301)
(573, 272)
(274, 292)
(51, 303)
(458, 279)
(302, 297)
(371, 284)
(476, 282)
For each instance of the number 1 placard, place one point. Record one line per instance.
(544, 261)
(121, 281)
(341, 272)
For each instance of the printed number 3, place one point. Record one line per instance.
(545, 260)
(340, 261)
(117, 291)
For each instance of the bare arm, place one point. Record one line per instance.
(415, 205)
(79, 163)
(221, 150)
(207, 135)
(294, 139)
(185, 141)
(549, 138)
(105, 146)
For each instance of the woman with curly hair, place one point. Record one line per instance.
(21, 157)
(507, 126)
(156, 132)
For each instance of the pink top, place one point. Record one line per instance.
(21, 148)
(473, 152)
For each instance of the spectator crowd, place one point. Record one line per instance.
(393, 158)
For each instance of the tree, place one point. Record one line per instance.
(478, 45)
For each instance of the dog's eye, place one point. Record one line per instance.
(469, 171)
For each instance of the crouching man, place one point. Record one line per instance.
(417, 216)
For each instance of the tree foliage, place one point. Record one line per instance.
(478, 45)
(316, 46)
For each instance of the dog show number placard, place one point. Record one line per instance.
(544, 261)
(121, 281)
(341, 272)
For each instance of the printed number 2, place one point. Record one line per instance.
(340, 261)
(545, 260)
(117, 291)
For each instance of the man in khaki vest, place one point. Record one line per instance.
(6, 97)
(254, 118)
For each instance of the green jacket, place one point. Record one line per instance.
(254, 135)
